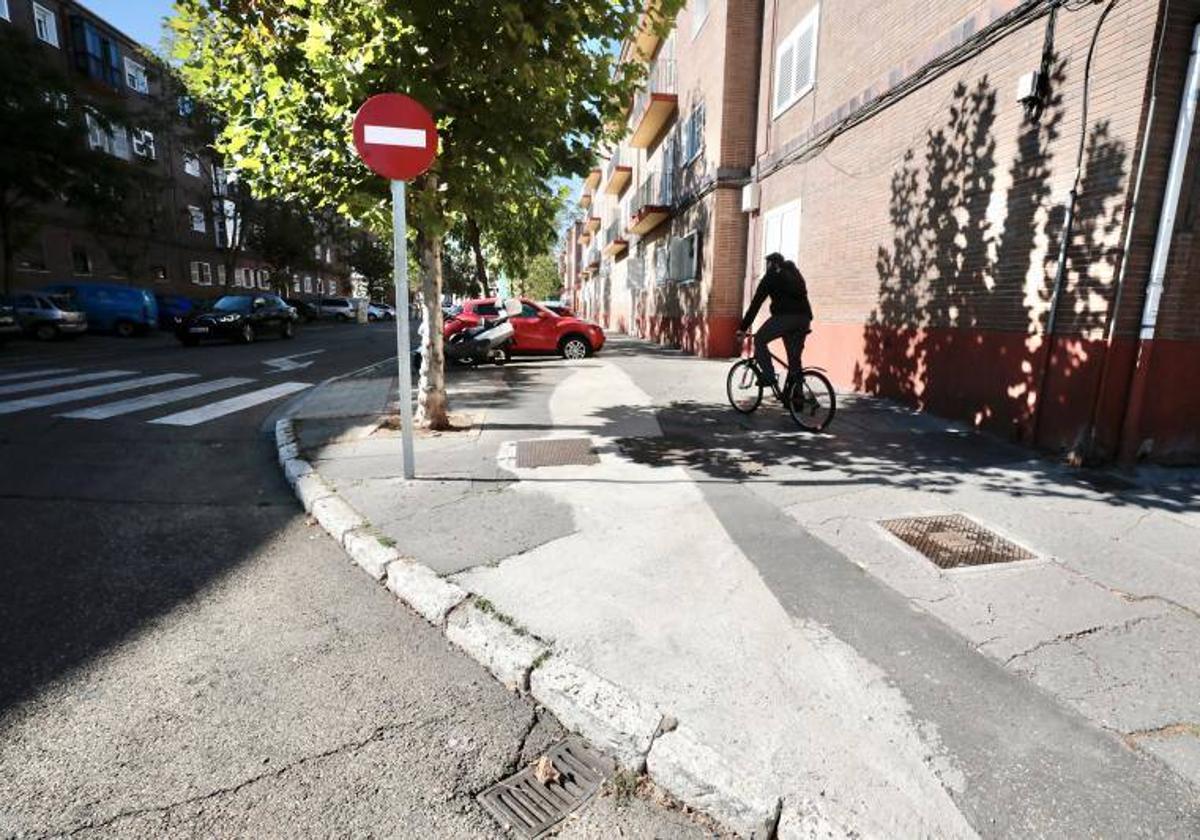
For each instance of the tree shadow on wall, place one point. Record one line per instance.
(964, 288)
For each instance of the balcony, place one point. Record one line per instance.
(652, 204)
(655, 105)
(614, 238)
(591, 259)
(592, 223)
(619, 172)
(585, 237)
(592, 180)
(647, 37)
(585, 199)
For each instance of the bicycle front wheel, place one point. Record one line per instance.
(742, 387)
(812, 402)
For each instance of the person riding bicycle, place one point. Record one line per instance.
(790, 319)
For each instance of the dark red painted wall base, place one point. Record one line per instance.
(711, 337)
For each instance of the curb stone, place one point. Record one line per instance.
(803, 820)
(337, 517)
(369, 553)
(597, 709)
(610, 717)
(506, 652)
(695, 773)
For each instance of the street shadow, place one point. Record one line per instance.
(964, 288)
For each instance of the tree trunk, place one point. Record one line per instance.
(481, 276)
(432, 405)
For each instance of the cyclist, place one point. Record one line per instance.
(791, 316)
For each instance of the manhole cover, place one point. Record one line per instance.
(953, 541)
(530, 808)
(556, 452)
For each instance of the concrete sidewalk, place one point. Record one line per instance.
(731, 573)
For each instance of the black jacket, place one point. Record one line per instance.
(788, 292)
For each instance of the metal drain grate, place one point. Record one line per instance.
(530, 808)
(954, 541)
(556, 452)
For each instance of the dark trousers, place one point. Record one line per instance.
(792, 329)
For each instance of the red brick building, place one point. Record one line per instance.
(186, 250)
(918, 160)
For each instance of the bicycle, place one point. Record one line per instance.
(808, 397)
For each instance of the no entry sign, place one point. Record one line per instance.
(395, 136)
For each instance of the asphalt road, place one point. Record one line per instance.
(181, 653)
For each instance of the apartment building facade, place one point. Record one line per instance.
(918, 160)
(664, 236)
(194, 214)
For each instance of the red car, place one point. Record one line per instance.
(538, 330)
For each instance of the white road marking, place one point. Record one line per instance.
(212, 411)
(63, 380)
(103, 412)
(389, 135)
(284, 363)
(44, 400)
(8, 377)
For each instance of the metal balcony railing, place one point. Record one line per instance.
(660, 80)
(614, 231)
(620, 157)
(656, 190)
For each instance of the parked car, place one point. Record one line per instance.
(111, 307)
(340, 308)
(558, 308)
(172, 309)
(538, 330)
(306, 309)
(8, 319)
(380, 312)
(240, 318)
(46, 316)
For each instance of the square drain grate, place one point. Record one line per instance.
(530, 808)
(556, 452)
(954, 541)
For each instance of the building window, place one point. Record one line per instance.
(135, 76)
(693, 134)
(781, 231)
(220, 274)
(96, 54)
(187, 106)
(220, 182)
(33, 258)
(201, 274)
(295, 284)
(197, 216)
(796, 63)
(143, 143)
(45, 24)
(159, 273)
(699, 15)
(81, 262)
(191, 164)
(307, 285)
(113, 140)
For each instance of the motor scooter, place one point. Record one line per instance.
(490, 341)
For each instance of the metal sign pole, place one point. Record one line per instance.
(403, 339)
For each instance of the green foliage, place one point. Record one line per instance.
(373, 260)
(283, 236)
(123, 203)
(541, 280)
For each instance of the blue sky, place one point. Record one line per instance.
(139, 19)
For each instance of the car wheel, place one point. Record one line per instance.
(45, 332)
(247, 334)
(289, 329)
(372, 318)
(573, 348)
(125, 329)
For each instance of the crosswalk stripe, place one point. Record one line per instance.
(26, 374)
(43, 400)
(113, 409)
(212, 411)
(40, 384)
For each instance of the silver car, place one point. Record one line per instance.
(339, 308)
(47, 316)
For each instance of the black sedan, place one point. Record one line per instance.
(240, 318)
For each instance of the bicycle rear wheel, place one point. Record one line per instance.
(811, 401)
(742, 387)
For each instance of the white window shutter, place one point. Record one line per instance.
(804, 56)
(789, 234)
(785, 71)
(771, 228)
(195, 274)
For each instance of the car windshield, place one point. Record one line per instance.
(232, 304)
(63, 303)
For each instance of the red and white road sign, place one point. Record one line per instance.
(395, 136)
